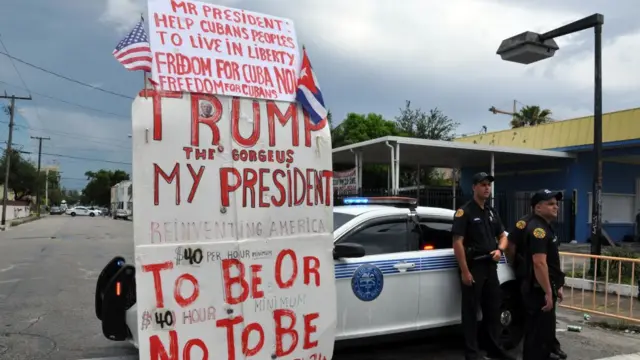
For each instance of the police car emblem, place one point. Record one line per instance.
(367, 282)
(539, 233)
(459, 213)
(521, 224)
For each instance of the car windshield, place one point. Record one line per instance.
(340, 219)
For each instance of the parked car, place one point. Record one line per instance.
(83, 211)
(421, 281)
(56, 210)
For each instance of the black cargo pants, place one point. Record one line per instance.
(484, 293)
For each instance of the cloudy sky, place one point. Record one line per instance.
(369, 56)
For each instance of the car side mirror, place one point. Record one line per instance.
(348, 250)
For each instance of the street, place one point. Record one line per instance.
(48, 270)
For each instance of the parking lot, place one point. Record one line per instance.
(48, 270)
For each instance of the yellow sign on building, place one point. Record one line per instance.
(616, 126)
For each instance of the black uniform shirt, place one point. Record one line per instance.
(516, 238)
(542, 239)
(479, 227)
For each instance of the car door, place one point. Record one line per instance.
(378, 293)
(82, 211)
(439, 303)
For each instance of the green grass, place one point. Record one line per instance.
(624, 266)
(616, 325)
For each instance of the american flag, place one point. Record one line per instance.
(134, 52)
(308, 93)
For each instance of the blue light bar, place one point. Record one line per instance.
(397, 201)
(355, 201)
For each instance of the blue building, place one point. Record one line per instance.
(621, 171)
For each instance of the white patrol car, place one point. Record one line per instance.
(394, 268)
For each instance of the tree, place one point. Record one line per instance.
(531, 116)
(433, 125)
(52, 190)
(98, 189)
(22, 175)
(71, 196)
(359, 127)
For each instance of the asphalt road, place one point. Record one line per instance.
(48, 270)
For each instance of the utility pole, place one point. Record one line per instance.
(40, 138)
(7, 154)
(46, 187)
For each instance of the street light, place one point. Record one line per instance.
(530, 47)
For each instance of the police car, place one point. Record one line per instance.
(395, 272)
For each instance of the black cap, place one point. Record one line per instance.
(481, 176)
(544, 195)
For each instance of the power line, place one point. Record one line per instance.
(76, 136)
(66, 77)
(88, 159)
(75, 157)
(14, 65)
(66, 101)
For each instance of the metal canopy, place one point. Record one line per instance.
(435, 153)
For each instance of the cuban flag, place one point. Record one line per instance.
(308, 93)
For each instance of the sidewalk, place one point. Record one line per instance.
(605, 303)
(584, 248)
(635, 356)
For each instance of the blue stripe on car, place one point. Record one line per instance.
(423, 264)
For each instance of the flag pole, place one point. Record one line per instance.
(144, 71)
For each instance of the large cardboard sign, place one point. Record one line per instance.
(233, 229)
(206, 48)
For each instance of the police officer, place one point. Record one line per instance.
(543, 281)
(476, 226)
(516, 256)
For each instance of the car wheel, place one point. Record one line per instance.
(92, 214)
(73, 214)
(511, 316)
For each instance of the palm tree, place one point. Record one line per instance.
(531, 116)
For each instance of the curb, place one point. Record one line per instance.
(17, 222)
(584, 284)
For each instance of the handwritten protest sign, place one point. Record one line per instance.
(206, 48)
(233, 229)
(344, 182)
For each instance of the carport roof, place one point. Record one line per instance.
(444, 154)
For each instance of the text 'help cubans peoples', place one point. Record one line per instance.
(232, 187)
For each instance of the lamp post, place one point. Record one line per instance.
(530, 47)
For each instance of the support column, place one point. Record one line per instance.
(453, 187)
(419, 185)
(359, 172)
(397, 169)
(357, 165)
(493, 186)
(392, 176)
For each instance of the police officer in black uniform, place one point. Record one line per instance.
(476, 229)
(542, 284)
(516, 256)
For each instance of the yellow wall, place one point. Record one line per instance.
(616, 126)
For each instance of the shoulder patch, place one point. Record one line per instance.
(521, 224)
(459, 213)
(539, 233)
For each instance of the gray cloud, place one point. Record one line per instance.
(370, 56)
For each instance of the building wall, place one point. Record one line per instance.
(618, 178)
(567, 175)
(17, 211)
